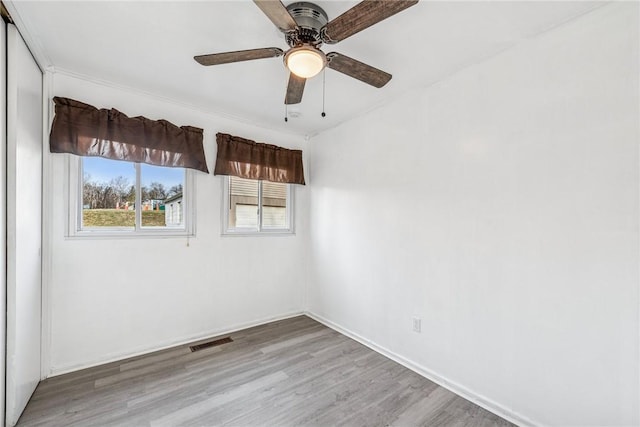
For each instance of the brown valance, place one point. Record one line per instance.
(248, 159)
(84, 130)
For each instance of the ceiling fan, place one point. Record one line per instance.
(306, 27)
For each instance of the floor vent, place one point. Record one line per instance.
(210, 344)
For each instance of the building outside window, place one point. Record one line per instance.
(254, 206)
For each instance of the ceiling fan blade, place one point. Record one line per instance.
(361, 16)
(357, 70)
(238, 55)
(295, 88)
(277, 13)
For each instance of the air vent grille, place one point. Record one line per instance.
(210, 344)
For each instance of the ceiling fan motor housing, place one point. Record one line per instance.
(310, 18)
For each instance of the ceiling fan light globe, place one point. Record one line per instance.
(305, 62)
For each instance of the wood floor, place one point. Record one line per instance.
(290, 372)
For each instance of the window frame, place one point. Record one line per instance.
(259, 231)
(74, 208)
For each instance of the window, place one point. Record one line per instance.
(111, 197)
(253, 206)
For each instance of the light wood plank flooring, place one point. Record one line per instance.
(285, 373)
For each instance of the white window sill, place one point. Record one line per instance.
(127, 234)
(249, 233)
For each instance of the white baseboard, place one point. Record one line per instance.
(452, 386)
(114, 357)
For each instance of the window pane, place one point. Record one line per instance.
(243, 203)
(161, 194)
(274, 205)
(108, 193)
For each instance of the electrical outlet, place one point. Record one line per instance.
(417, 324)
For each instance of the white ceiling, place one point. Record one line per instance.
(150, 46)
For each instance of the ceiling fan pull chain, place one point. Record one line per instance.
(286, 107)
(324, 73)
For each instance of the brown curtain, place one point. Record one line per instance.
(84, 130)
(248, 159)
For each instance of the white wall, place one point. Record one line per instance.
(501, 207)
(116, 297)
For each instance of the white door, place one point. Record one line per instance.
(3, 210)
(24, 224)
